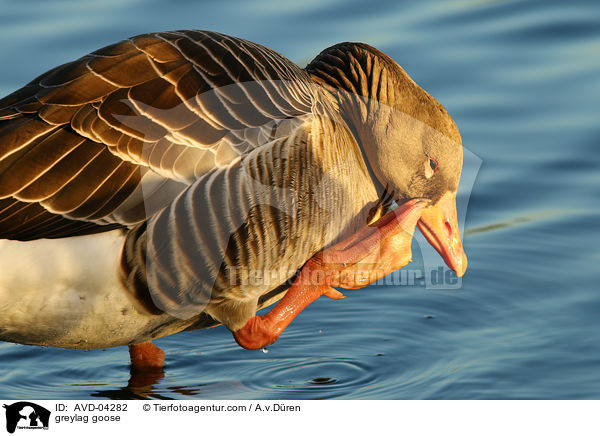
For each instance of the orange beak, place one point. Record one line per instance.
(439, 225)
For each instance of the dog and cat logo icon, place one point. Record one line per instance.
(26, 415)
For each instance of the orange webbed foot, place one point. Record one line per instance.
(355, 262)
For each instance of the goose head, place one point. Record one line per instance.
(410, 143)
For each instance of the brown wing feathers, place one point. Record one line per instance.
(73, 141)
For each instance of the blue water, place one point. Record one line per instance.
(522, 81)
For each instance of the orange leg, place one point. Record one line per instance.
(261, 331)
(359, 260)
(146, 355)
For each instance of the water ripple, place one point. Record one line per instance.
(311, 377)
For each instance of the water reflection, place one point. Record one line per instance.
(141, 386)
(510, 223)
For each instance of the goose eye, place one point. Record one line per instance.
(433, 164)
(430, 167)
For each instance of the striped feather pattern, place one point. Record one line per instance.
(198, 256)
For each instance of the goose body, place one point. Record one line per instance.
(142, 185)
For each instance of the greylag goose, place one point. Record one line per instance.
(180, 180)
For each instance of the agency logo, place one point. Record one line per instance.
(26, 415)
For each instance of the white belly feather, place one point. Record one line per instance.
(66, 293)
